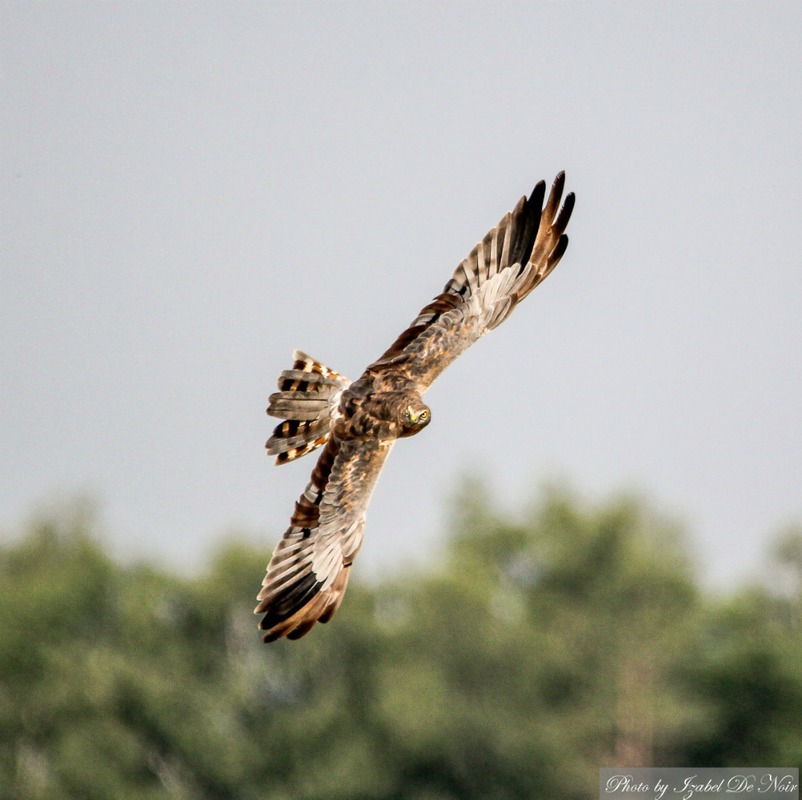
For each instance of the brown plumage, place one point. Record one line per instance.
(358, 423)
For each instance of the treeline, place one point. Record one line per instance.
(537, 649)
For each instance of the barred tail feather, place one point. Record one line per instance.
(307, 401)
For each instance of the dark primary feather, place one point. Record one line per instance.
(308, 572)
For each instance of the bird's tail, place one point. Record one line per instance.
(307, 401)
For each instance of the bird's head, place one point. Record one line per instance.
(416, 417)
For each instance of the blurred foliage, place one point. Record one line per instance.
(536, 650)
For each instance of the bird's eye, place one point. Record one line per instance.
(416, 418)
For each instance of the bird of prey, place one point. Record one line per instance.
(357, 423)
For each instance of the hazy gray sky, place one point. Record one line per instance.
(189, 191)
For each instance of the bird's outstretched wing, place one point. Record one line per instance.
(500, 271)
(308, 573)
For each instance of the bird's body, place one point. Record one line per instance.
(358, 423)
(382, 405)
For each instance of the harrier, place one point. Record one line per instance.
(357, 423)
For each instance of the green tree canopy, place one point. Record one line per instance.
(537, 648)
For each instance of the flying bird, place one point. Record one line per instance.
(357, 423)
